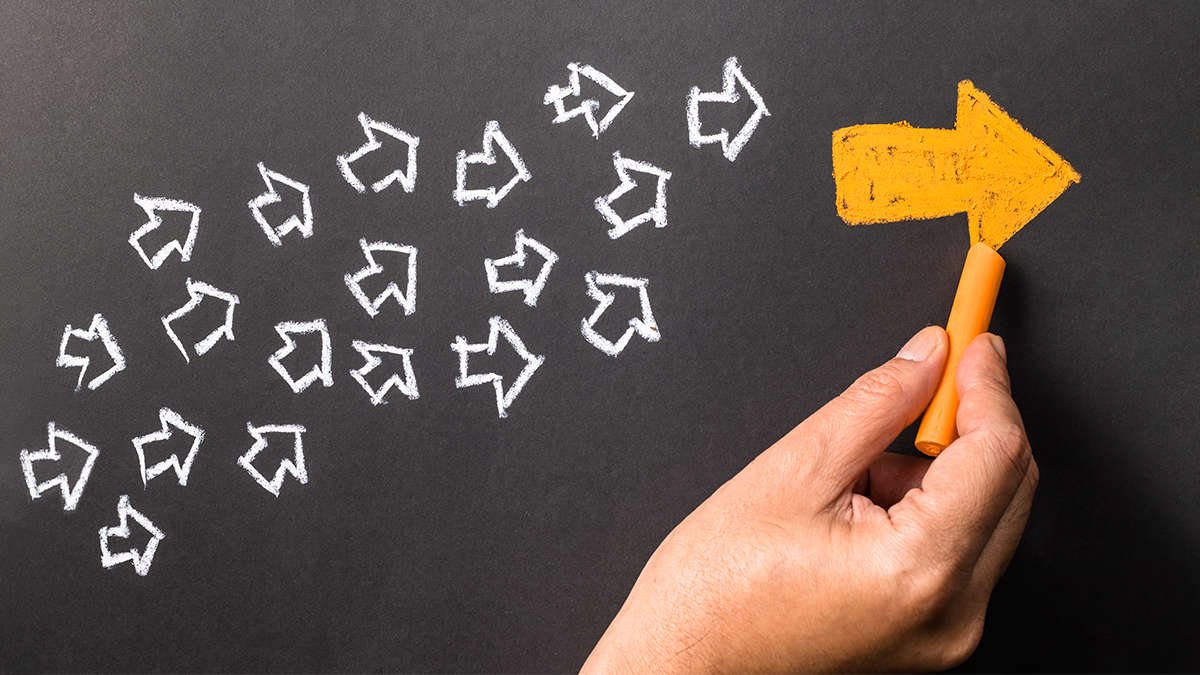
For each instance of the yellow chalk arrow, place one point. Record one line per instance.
(988, 166)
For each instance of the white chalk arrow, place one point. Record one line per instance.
(302, 222)
(152, 206)
(286, 466)
(168, 418)
(491, 136)
(198, 290)
(587, 107)
(530, 287)
(70, 493)
(657, 213)
(728, 94)
(406, 178)
(98, 329)
(407, 299)
(406, 384)
(140, 560)
(504, 399)
(322, 371)
(643, 326)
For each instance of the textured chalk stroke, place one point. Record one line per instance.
(97, 330)
(587, 107)
(406, 178)
(294, 466)
(530, 287)
(498, 327)
(987, 165)
(643, 325)
(198, 290)
(491, 136)
(140, 560)
(657, 213)
(322, 371)
(168, 419)
(152, 205)
(407, 299)
(731, 77)
(406, 384)
(303, 222)
(70, 493)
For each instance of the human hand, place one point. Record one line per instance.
(827, 554)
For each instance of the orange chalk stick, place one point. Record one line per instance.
(969, 317)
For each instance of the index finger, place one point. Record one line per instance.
(969, 486)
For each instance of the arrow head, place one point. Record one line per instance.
(407, 178)
(198, 290)
(491, 136)
(302, 222)
(152, 206)
(406, 385)
(407, 299)
(70, 493)
(644, 326)
(498, 327)
(530, 287)
(657, 213)
(731, 76)
(97, 330)
(140, 561)
(293, 466)
(1017, 175)
(168, 418)
(588, 108)
(322, 371)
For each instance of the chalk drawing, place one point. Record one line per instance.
(140, 560)
(98, 329)
(407, 178)
(491, 135)
(151, 206)
(168, 418)
(657, 213)
(530, 287)
(198, 290)
(70, 493)
(286, 466)
(407, 299)
(643, 326)
(322, 371)
(504, 399)
(302, 223)
(728, 94)
(587, 107)
(406, 385)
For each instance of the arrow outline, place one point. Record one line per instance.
(645, 326)
(141, 563)
(731, 73)
(198, 289)
(98, 328)
(408, 386)
(531, 288)
(322, 372)
(272, 196)
(491, 136)
(168, 418)
(497, 326)
(657, 213)
(407, 300)
(151, 205)
(586, 107)
(296, 468)
(70, 496)
(407, 179)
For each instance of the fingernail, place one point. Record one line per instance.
(998, 345)
(919, 347)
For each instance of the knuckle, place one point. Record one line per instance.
(1011, 440)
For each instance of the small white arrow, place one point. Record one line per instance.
(657, 213)
(151, 206)
(98, 329)
(286, 466)
(407, 300)
(406, 385)
(491, 135)
(643, 326)
(198, 290)
(70, 494)
(140, 561)
(304, 223)
(168, 418)
(530, 287)
(728, 94)
(504, 399)
(407, 178)
(322, 371)
(586, 107)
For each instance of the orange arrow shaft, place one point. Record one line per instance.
(892, 172)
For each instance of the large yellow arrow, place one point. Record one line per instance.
(988, 166)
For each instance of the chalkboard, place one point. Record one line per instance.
(208, 202)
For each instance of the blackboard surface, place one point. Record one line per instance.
(432, 535)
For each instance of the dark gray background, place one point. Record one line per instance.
(433, 536)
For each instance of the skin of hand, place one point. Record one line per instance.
(827, 554)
